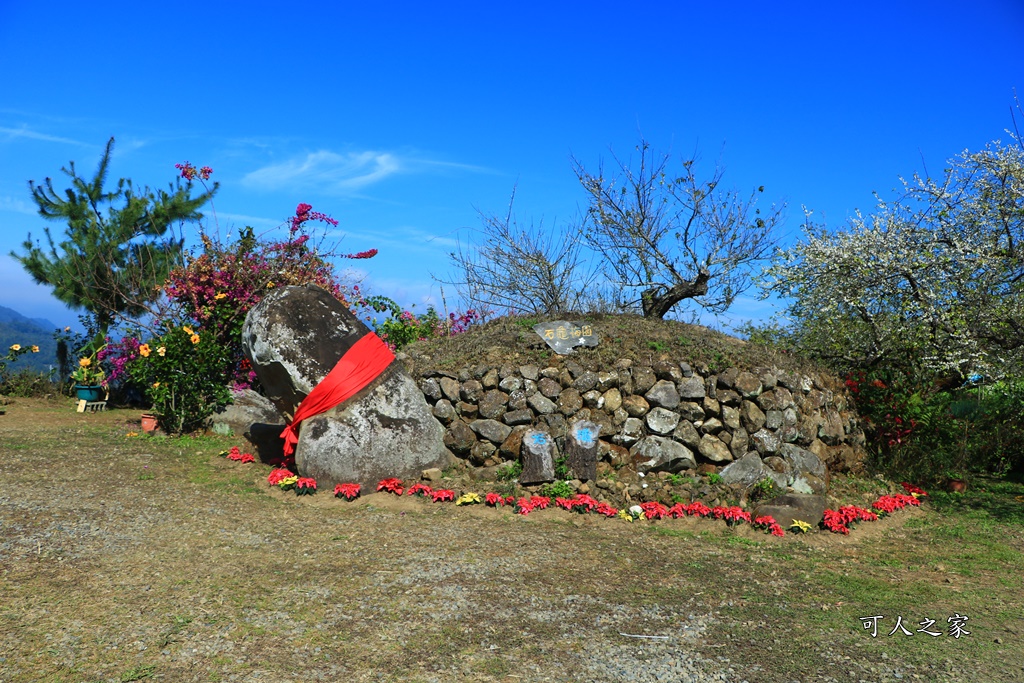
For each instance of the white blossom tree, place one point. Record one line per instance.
(936, 275)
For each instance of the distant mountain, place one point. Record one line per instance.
(9, 315)
(16, 328)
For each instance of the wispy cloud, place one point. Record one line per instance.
(17, 206)
(404, 238)
(254, 221)
(25, 132)
(343, 173)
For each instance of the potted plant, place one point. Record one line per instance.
(956, 482)
(89, 378)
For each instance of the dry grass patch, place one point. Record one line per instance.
(154, 559)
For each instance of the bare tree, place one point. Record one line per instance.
(523, 269)
(674, 237)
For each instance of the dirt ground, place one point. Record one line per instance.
(128, 558)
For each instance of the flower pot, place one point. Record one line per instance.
(149, 423)
(90, 392)
(956, 485)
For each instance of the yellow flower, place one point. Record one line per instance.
(84, 362)
(143, 351)
(220, 296)
(129, 435)
(15, 347)
(67, 329)
(188, 330)
(156, 385)
(800, 526)
(161, 351)
(195, 338)
(35, 349)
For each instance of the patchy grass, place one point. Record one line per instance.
(125, 559)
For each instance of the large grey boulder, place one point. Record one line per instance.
(246, 408)
(293, 338)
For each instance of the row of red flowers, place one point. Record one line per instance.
(836, 521)
(839, 521)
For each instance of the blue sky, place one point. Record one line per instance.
(402, 119)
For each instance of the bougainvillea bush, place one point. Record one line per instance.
(218, 286)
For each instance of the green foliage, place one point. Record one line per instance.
(557, 489)
(184, 375)
(109, 263)
(714, 478)
(26, 383)
(679, 479)
(14, 352)
(657, 346)
(719, 361)
(402, 327)
(919, 430)
(766, 489)
(562, 470)
(509, 471)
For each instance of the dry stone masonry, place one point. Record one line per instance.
(664, 417)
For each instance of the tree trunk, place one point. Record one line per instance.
(658, 301)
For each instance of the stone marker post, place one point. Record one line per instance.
(581, 450)
(538, 457)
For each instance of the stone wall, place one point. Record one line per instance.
(660, 417)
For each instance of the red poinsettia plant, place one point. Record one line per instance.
(347, 491)
(237, 455)
(391, 485)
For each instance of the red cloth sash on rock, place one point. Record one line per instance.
(360, 365)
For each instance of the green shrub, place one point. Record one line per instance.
(184, 374)
(557, 489)
(509, 471)
(766, 489)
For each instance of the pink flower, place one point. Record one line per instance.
(369, 253)
(494, 499)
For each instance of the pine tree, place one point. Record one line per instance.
(110, 263)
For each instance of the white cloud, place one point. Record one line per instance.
(345, 173)
(24, 132)
(242, 219)
(342, 173)
(402, 238)
(17, 206)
